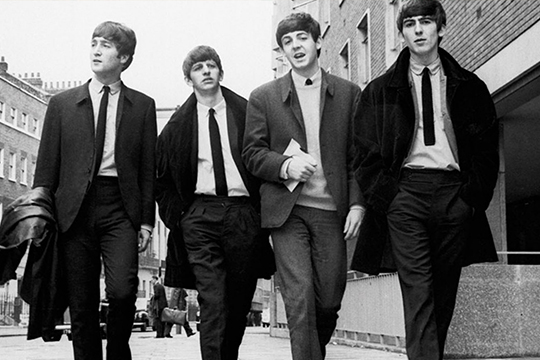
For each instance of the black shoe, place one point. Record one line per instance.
(191, 333)
(168, 336)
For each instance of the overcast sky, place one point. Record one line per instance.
(53, 38)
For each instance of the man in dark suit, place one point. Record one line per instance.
(97, 155)
(210, 202)
(428, 161)
(159, 302)
(298, 140)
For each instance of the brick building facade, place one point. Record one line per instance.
(22, 110)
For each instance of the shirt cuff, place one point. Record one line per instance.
(284, 167)
(357, 207)
(147, 227)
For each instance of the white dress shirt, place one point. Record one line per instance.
(440, 155)
(108, 165)
(206, 184)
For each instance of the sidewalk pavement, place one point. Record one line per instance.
(257, 345)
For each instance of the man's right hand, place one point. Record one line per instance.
(301, 168)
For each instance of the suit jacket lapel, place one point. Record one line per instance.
(288, 93)
(193, 129)
(85, 102)
(234, 138)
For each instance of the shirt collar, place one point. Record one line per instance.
(203, 109)
(418, 68)
(300, 81)
(96, 86)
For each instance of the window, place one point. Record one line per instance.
(12, 167)
(12, 115)
(24, 171)
(1, 163)
(33, 171)
(324, 12)
(2, 111)
(364, 62)
(344, 61)
(35, 126)
(24, 121)
(309, 6)
(393, 39)
(281, 65)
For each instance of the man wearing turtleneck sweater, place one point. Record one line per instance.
(428, 163)
(298, 140)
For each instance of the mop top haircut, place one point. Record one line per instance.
(430, 8)
(199, 54)
(299, 21)
(121, 36)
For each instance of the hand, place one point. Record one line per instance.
(301, 168)
(353, 221)
(144, 239)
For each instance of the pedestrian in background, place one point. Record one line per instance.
(298, 140)
(96, 156)
(427, 141)
(158, 303)
(178, 301)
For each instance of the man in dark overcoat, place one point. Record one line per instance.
(427, 142)
(210, 202)
(159, 302)
(96, 156)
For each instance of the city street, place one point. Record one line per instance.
(257, 345)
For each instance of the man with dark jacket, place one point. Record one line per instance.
(428, 163)
(97, 157)
(210, 202)
(159, 302)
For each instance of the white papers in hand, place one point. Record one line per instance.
(294, 149)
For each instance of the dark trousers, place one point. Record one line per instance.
(311, 263)
(159, 325)
(220, 236)
(428, 225)
(101, 231)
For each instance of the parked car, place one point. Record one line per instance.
(142, 320)
(65, 327)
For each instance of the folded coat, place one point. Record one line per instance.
(31, 219)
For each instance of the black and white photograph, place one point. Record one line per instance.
(269, 179)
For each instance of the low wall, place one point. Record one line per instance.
(497, 313)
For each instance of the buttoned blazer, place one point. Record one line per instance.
(274, 118)
(66, 153)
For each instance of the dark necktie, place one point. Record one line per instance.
(217, 155)
(427, 107)
(309, 82)
(100, 130)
